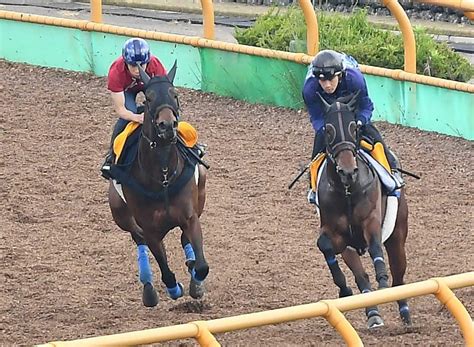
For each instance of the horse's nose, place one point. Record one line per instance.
(348, 177)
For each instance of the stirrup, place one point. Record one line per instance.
(398, 178)
(201, 147)
(105, 169)
(311, 197)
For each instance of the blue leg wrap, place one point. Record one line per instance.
(189, 252)
(175, 292)
(331, 261)
(144, 268)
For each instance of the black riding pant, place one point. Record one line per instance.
(318, 144)
(372, 133)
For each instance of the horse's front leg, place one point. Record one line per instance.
(192, 232)
(352, 260)
(125, 220)
(174, 289)
(326, 246)
(376, 252)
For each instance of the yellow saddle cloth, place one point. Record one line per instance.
(185, 131)
(376, 151)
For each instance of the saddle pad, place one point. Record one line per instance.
(314, 170)
(320, 171)
(385, 177)
(185, 130)
(121, 139)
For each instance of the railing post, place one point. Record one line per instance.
(342, 325)
(208, 19)
(96, 11)
(204, 336)
(457, 309)
(312, 32)
(408, 37)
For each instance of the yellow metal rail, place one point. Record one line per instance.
(463, 5)
(208, 19)
(312, 32)
(407, 31)
(330, 309)
(300, 58)
(96, 11)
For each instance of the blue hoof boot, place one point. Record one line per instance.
(176, 292)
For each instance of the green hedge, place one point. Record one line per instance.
(356, 36)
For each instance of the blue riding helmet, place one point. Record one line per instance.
(136, 51)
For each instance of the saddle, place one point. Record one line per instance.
(127, 140)
(126, 149)
(373, 154)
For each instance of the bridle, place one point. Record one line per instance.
(160, 140)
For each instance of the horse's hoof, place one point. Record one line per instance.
(149, 296)
(196, 289)
(405, 316)
(375, 321)
(176, 292)
(345, 292)
(383, 284)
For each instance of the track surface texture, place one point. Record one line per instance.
(68, 272)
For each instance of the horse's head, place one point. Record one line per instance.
(341, 136)
(160, 121)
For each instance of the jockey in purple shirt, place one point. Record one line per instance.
(334, 75)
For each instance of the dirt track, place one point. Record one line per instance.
(68, 272)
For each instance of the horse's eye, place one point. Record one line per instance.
(353, 130)
(330, 133)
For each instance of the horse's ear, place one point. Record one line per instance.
(353, 101)
(324, 102)
(143, 75)
(172, 72)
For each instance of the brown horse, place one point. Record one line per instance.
(164, 189)
(352, 204)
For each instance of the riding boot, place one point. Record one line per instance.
(109, 160)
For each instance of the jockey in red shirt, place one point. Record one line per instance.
(124, 84)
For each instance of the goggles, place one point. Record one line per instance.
(327, 75)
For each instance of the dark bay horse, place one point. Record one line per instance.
(166, 190)
(352, 205)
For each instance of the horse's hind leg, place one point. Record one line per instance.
(201, 189)
(395, 247)
(352, 259)
(126, 222)
(174, 289)
(325, 246)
